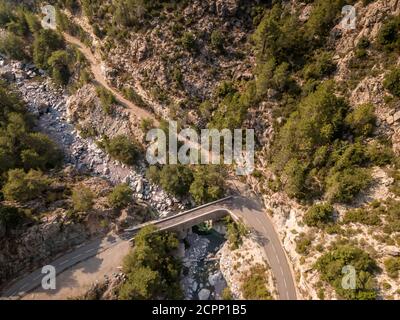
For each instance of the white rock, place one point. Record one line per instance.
(204, 294)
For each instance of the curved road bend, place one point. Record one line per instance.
(248, 209)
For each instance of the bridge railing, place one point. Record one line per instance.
(154, 222)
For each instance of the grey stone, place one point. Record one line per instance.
(204, 294)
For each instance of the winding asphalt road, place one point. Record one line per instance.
(249, 210)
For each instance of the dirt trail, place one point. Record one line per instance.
(95, 67)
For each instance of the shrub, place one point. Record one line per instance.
(389, 34)
(364, 216)
(13, 46)
(107, 99)
(133, 96)
(208, 184)
(225, 88)
(23, 187)
(235, 233)
(188, 41)
(146, 124)
(82, 199)
(303, 243)
(342, 186)
(254, 284)
(226, 294)
(46, 42)
(319, 215)
(392, 82)
(120, 196)
(58, 66)
(10, 217)
(321, 66)
(392, 266)
(217, 40)
(122, 149)
(362, 119)
(330, 267)
(361, 48)
(176, 179)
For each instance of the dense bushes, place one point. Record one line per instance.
(330, 267)
(152, 270)
(311, 152)
(175, 179)
(362, 120)
(321, 66)
(203, 183)
(45, 43)
(209, 184)
(23, 187)
(20, 147)
(343, 186)
(369, 217)
(13, 46)
(254, 284)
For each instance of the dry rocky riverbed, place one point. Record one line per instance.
(50, 107)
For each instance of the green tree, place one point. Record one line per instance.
(176, 179)
(362, 119)
(82, 199)
(122, 149)
(140, 285)
(217, 40)
(330, 267)
(58, 65)
(392, 266)
(45, 43)
(13, 46)
(40, 152)
(10, 217)
(120, 196)
(23, 187)
(208, 184)
(319, 215)
(153, 271)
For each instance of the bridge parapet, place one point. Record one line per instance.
(178, 221)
